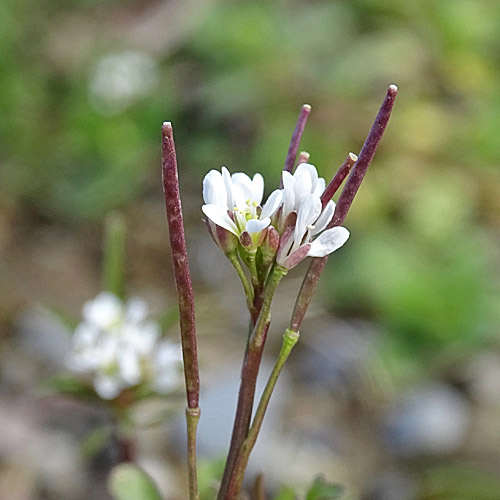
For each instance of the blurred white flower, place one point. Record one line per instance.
(119, 79)
(119, 348)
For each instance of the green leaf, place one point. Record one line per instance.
(128, 482)
(324, 490)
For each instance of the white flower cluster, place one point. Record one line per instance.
(120, 348)
(296, 212)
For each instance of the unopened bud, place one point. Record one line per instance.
(289, 221)
(224, 239)
(246, 240)
(270, 246)
(296, 257)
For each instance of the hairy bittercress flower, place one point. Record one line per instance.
(233, 202)
(294, 214)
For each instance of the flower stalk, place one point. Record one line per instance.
(249, 293)
(296, 137)
(185, 296)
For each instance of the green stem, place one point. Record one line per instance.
(290, 338)
(235, 261)
(256, 338)
(253, 271)
(192, 418)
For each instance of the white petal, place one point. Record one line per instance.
(257, 225)
(140, 338)
(257, 188)
(303, 185)
(136, 310)
(241, 178)
(272, 204)
(108, 387)
(129, 363)
(308, 213)
(85, 335)
(320, 186)
(288, 193)
(328, 242)
(226, 176)
(214, 189)
(105, 311)
(167, 366)
(218, 215)
(306, 176)
(324, 218)
(241, 193)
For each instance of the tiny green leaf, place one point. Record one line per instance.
(68, 385)
(321, 489)
(129, 482)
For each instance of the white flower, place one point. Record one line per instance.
(304, 239)
(118, 347)
(233, 202)
(167, 367)
(120, 79)
(304, 181)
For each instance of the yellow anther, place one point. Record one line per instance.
(255, 204)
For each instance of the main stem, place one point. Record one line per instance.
(290, 338)
(249, 373)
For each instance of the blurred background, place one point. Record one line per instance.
(394, 390)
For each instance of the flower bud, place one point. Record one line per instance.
(270, 246)
(223, 238)
(246, 240)
(295, 258)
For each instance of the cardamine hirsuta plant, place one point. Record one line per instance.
(263, 241)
